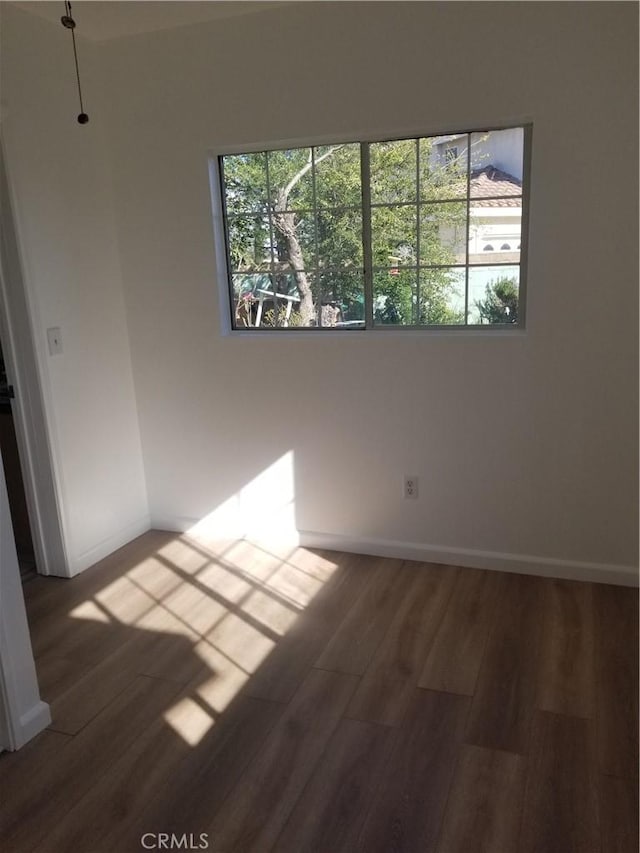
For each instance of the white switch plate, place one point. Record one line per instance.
(54, 338)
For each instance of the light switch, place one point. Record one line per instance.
(55, 341)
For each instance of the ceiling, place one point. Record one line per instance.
(105, 19)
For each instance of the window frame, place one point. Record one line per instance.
(222, 249)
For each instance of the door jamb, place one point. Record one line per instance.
(32, 435)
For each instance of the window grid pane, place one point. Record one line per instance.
(402, 249)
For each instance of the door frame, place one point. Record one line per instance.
(23, 714)
(29, 414)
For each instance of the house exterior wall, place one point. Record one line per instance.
(493, 226)
(502, 149)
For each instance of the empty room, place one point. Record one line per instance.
(319, 427)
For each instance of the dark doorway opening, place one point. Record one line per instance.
(14, 481)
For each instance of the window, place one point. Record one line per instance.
(377, 235)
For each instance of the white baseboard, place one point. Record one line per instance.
(30, 724)
(226, 528)
(109, 545)
(518, 563)
(184, 524)
(475, 559)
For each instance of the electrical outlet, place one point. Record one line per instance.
(410, 487)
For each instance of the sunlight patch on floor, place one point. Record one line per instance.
(218, 606)
(227, 680)
(125, 600)
(241, 642)
(232, 602)
(90, 610)
(189, 720)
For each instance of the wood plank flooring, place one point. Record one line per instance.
(299, 701)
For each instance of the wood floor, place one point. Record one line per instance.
(315, 702)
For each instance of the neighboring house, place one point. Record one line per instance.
(495, 223)
(500, 148)
(496, 170)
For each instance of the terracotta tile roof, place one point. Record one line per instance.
(494, 182)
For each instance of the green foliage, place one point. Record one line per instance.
(436, 289)
(268, 318)
(500, 304)
(441, 180)
(249, 243)
(338, 181)
(393, 171)
(396, 299)
(245, 180)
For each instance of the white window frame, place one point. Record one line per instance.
(369, 327)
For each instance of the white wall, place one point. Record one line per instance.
(61, 192)
(525, 444)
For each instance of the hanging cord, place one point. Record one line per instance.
(70, 24)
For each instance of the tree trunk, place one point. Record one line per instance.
(285, 223)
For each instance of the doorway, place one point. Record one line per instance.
(14, 481)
